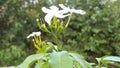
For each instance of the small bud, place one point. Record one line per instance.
(37, 20)
(43, 26)
(58, 20)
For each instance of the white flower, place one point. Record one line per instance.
(33, 34)
(67, 9)
(53, 11)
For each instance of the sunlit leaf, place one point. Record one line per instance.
(29, 60)
(60, 60)
(112, 58)
(42, 65)
(80, 60)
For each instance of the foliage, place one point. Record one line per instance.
(50, 55)
(15, 17)
(95, 34)
(104, 61)
(61, 59)
(11, 53)
(53, 56)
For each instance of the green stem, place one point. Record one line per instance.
(56, 39)
(57, 42)
(68, 20)
(99, 65)
(37, 21)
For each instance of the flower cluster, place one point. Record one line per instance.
(56, 27)
(59, 13)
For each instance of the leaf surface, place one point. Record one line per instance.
(60, 60)
(29, 60)
(112, 58)
(80, 60)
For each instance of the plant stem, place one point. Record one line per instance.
(99, 65)
(57, 42)
(68, 20)
(56, 37)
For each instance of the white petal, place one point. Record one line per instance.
(54, 8)
(64, 11)
(61, 15)
(62, 6)
(78, 11)
(37, 33)
(48, 18)
(33, 34)
(45, 10)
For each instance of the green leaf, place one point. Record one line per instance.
(60, 60)
(42, 65)
(108, 60)
(80, 60)
(112, 58)
(29, 60)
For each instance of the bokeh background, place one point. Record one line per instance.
(95, 34)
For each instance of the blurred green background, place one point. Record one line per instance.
(95, 34)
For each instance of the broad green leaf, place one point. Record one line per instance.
(60, 60)
(29, 60)
(112, 58)
(80, 60)
(42, 65)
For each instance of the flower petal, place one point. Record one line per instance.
(33, 34)
(62, 6)
(64, 9)
(78, 11)
(54, 8)
(45, 10)
(37, 33)
(61, 15)
(48, 18)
